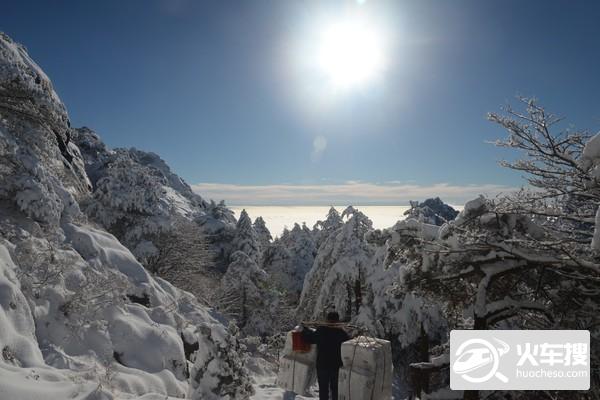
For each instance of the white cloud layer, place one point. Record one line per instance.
(357, 193)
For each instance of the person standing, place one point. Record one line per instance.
(329, 341)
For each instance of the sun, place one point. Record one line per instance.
(350, 53)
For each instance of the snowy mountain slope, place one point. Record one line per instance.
(135, 195)
(137, 198)
(80, 317)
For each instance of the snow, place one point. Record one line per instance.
(35, 384)
(591, 152)
(148, 345)
(17, 328)
(95, 244)
(18, 66)
(420, 229)
(181, 204)
(472, 209)
(265, 388)
(149, 348)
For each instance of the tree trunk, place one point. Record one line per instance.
(480, 323)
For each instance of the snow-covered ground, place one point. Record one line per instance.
(264, 375)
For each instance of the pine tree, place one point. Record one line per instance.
(245, 294)
(220, 211)
(246, 239)
(262, 233)
(337, 266)
(322, 229)
(290, 258)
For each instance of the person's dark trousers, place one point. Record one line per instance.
(328, 381)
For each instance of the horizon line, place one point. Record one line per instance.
(355, 193)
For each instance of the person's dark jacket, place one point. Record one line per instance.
(329, 345)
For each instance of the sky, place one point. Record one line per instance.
(233, 95)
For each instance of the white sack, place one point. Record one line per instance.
(297, 371)
(367, 371)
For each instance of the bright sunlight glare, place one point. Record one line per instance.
(351, 53)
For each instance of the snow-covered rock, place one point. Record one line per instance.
(135, 195)
(432, 211)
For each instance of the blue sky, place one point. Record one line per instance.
(217, 89)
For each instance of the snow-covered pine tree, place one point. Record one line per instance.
(336, 267)
(246, 239)
(245, 295)
(262, 233)
(289, 259)
(220, 211)
(303, 249)
(322, 229)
